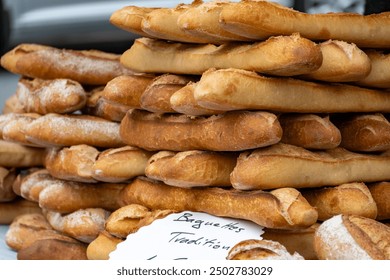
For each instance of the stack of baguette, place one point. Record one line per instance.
(247, 110)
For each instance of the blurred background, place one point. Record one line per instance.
(84, 24)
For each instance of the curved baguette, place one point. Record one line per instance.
(14, 130)
(284, 165)
(254, 249)
(10, 210)
(347, 199)
(83, 225)
(50, 96)
(33, 183)
(233, 89)
(295, 240)
(309, 131)
(7, 178)
(349, 237)
(120, 164)
(90, 67)
(202, 21)
(127, 90)
(283, 208)
(381, 194)
(73, 163)
(130, 218)
(300, 56)
(129, 18)
(342, 62)
(183, 101)
(191, 168)
(232, 131)
(156, 97)
(379, 76)
(260, 19)
(66, 196)
(102, 246)
(67, 130)
(162, 23)
(364, 132)
(17, 155)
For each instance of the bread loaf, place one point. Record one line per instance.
(284, 165)
(14, 130)
(31, 184)
(300, 56)
(380, 192)
(284, 208)
(102, 246)
(12, 209)
(16, 155)
(379, 76)
(12, 105)
(349, 237)
(233, 131)
(7, 177)
(233, 89)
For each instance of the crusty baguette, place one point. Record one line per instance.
(232, 131)
(12, 105)
(83, 225)
(50, 96)
(86, 67)
(261, 19)
(10, 210)
(16, 155)
(379, 76)
(67, 196)
(13, 128)
(364, 132)
(7, 178)
(284, 208)
(102, 246)
(300, 56)
(380, 191)
(341, 62)
(309, 131)
(192, 168)
(255, 249)
(347, 199)
(130, 218)
(295, 240)
(284, 165)
(129, 18)
(349, 237)
(183, 101)
(31, 184)
(66, 130)
(156, 97)
(234, 89)
(127, 90)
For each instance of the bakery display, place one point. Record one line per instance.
(245, 110)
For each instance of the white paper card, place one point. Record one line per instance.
(186, 236)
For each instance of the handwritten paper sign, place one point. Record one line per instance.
(186, 236)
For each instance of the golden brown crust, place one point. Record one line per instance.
(7, 178)
(232, 131)
(284, 165)
(10, 210)
(45, 62)
(381, 193)
(14, 127)
(12, 105)
(309, 131)
(102, 246)
(379, 76)
(17, 155)
(284, 208)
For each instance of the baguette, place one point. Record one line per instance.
(284, 165)
(191, 168)
(12, 105)
(31, 184)
(52, 130)
(379, 76)
(380, 192)
(349, 237)
(309, 131)
(258, 20)
(7, 178)
(233, 89)
(156, 97)
(183, 101)
(89, 67)
(233, 131)
(364, 132)
(283, 208)
(254, 249)
(300, 56)
(342, 62)
(50, 96)
(102, 246)
(16, 155)
(347, 199)
(10, 210)
(14, 129)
